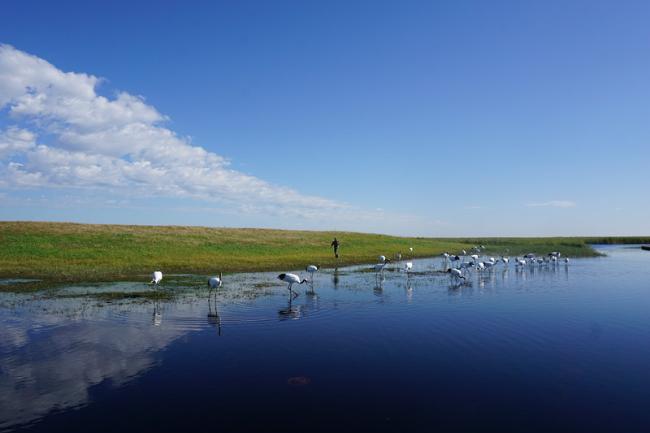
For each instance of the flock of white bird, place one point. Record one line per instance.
(458, 266)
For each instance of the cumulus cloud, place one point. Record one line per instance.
(553, 203)
(62, 133)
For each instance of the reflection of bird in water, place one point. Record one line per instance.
(290, 312)
(379, 285)
(157, 314)
(291, 279)
(409, 291)
(213, 315)
(156, 278)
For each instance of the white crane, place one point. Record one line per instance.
(291, 279)
(382, 259)
(379, 267)
(455, 274)
(486, 265)
(505, 260)
(311, 269)
(156, 277)
(520, 262)
(408, 267)
(215, 282)
(467, 265)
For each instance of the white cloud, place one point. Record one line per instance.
(15, 141)
(553, 203)
(63, 134)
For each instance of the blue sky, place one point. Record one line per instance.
(420, 117)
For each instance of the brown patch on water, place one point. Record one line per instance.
(299, 381)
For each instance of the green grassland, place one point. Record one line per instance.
(85, 252)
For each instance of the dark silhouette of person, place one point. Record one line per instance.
(335, 245)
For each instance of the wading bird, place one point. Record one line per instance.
(291, 279)
(455, 274)
(156, 278)
(379, 269)
(486, 265)
(382, 259)
(311, 269)
(408, 267)
(467, 265)
(215, 282)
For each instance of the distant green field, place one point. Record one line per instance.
(85, 252)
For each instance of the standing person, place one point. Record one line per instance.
(335, 245)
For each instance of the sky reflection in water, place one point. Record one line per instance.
(564, 348)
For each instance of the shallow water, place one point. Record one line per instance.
(561, 348)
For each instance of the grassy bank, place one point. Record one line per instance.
(85, 252)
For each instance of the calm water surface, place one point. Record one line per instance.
(564, 348)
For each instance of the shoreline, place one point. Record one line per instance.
(72, 253)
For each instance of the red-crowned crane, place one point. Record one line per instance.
(215, 282)
(455, 274)
(312, 269)
(156, 277)
(291, 279)
(408, 267)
